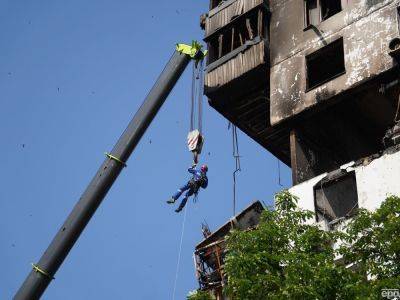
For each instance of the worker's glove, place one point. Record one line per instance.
(194, 165)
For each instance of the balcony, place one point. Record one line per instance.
(237, 39)
(223, 12)
(237, 79)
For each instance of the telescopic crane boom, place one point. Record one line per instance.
(42, 273)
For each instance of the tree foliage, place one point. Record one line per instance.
(289, 257)
(200, 295)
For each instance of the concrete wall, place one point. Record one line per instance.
(367, 27)
(376, 180)
(379, 179)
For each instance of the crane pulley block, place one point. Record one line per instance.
(195, 141)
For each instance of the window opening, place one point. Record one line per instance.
(330, 8)
(312, 12)
(316, 11)
(335, 196)
(243, 29)
(325, 64)
(215, 3)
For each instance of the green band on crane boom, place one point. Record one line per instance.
(194, 50)
(39, 270)
(110, 156)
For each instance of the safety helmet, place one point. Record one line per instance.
(204, 168)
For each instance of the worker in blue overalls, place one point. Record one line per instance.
(199, 179)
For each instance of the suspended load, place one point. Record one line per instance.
(195, 143)
(195, 138)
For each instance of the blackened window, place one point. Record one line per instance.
(336, 196)
(330, 8)
(312, 12)
(240, 31)
(325, 64)
(316, 11)
(215, 3)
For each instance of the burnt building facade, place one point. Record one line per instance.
(305, 78)
(316, 83)
(335, 56)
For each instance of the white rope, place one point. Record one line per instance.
(180, 252)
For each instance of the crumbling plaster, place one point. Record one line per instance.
(376, 180)
(367, 26)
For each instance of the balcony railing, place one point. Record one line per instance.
(233, 65)
(227, 11)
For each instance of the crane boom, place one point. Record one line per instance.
(42, 273)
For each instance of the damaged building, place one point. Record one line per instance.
(209, 254)
(338, 65)
(316, 83)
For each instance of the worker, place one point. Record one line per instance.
(199, 179)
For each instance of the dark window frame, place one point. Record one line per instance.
(320, 6)
(307, 21)
(247, 27)
(215, 3)
(341, 178)
(337, 44)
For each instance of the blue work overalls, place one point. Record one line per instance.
(198, 180)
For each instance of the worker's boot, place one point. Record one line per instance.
(182, 205)
(171, 201)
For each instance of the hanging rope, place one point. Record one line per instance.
(196, 106)
(195, 137)
(200, 78)
(180, 253)
(236, 156)
(193, 97)
(279, 173)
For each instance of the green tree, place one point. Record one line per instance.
(200, 295)
(372, 243)
(287, 257)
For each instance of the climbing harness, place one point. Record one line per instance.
(195, 138)
(180, 253)
(196, 185)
